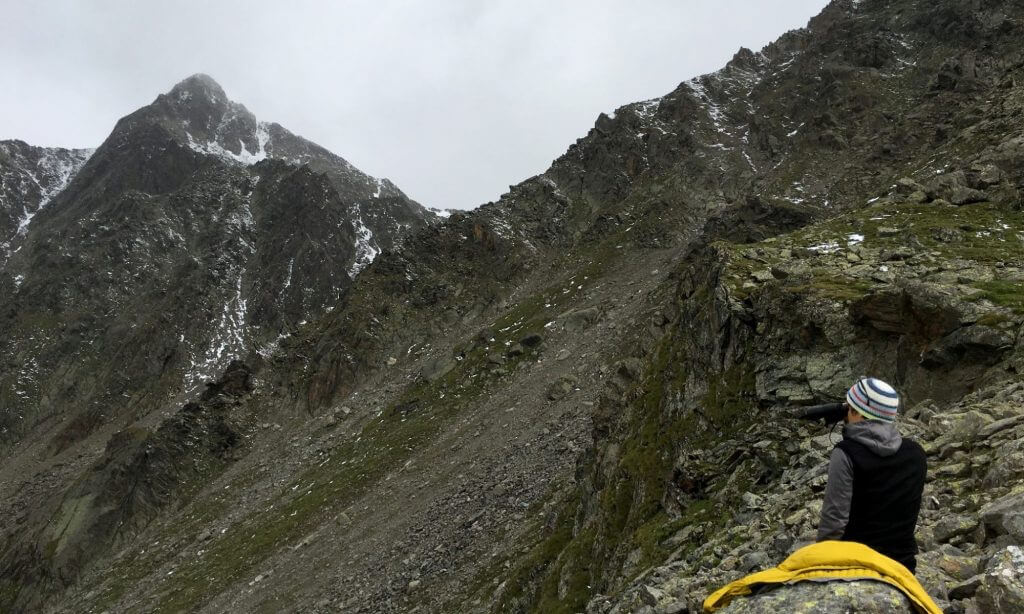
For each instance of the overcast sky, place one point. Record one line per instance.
(453, 100)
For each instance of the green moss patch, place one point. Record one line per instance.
(1009, 294)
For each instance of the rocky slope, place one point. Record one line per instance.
(574, 398)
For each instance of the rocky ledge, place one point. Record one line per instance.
(937, 307)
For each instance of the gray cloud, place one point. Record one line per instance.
(452, 100)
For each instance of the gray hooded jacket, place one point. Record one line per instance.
(883, 439)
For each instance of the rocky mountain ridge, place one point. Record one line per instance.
(32, 176)
(159, 222)
(572, 399)
(140, 270)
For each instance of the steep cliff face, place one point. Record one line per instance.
(575, 394)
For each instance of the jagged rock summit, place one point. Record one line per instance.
(193, 235)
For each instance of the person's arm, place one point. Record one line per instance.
(835, 509)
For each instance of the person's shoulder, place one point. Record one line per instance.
(914, 447)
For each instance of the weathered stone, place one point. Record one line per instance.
(962, 428)
(795, 518)
(952, 470)
(955, 563)
(628, 368)
(676, 607)
(982, 176)
(650, 595)
(949, 527)
(906, 185)
(579, 319)
(750, 500)
(438, 368)
(965, 589)
(1005, 516)
(1000, 425)
(1009, 469)
(753, 560)
(1002, 587)
(561, 388)
(861, 596)
(966, 196)
(919, 196)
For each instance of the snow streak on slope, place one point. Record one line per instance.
(228, 338)
(52, 173)
(228, 342)
(366, 248)
(244, 156)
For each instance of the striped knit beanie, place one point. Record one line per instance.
(874, 399)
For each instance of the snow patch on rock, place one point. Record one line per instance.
(366, 248)
(244, 156)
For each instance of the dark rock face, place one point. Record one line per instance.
(195, 234)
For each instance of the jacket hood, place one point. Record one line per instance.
(882, 438)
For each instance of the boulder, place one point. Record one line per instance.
(579, 319)
(438, 368)
(966, 589)
(966, 196)
(1005, 516)
(954, 525)
(863, 596)
(1009, 469)
(950, 561)
(561, 388)
(1002, 588)
(906, 185)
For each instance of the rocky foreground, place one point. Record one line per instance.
(970, 532)
(949, 273)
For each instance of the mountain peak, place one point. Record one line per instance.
(201, 86)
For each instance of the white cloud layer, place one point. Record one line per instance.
(453, 100)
